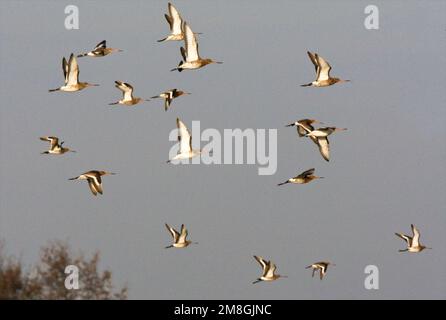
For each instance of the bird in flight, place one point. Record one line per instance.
(127, 95)
(94, 179)
(101, 50)
(413, 243)
(304, 177)
(71, 75)
(318, 136)
(185, 140)
(268, 270)
(321, 266)
(305, 126)
(179, 238)
(55, 146)
(174, 20)
(323, 78)
(191, 57)
(169, 95)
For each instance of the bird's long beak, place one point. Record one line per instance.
(257, 281)
(168, 247)
(290, 125)
(72, 151)
(155, 97)
(218, 62)
(320, 177)
(75, 178)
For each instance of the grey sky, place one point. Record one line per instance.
(386, 172)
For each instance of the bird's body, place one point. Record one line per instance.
(413, 243)
(169, 95)
(321, 266)
(303, 178)
(71, 75)
(94, 180)
(185, 140)
(101, 50)
(268, 270)
(323, 78)
(191, 57)
(179, 238)
(127, 95)
(55, 146)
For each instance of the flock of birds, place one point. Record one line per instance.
(181, 31)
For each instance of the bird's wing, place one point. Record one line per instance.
(324, 72)
(324, 147)
(65, 69)
(183, 53)
(263, 263)
(313, 59)
(168, 99)
(405, 238)
(97, 182)
(184, 137)
(54, 141)
(169, 21)
(175, 26)
(173, 232)
(93, 186)
(416, 236)
(307, 173)
(183, 234)
(73, 71)
(101, 45)
(191, 43)
(126, 88)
